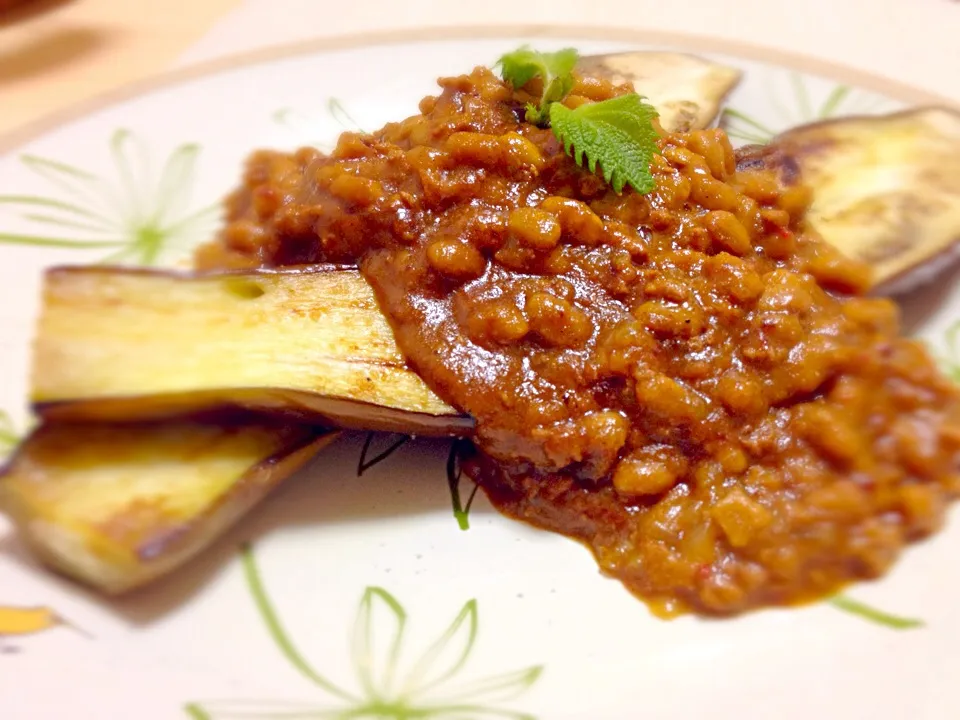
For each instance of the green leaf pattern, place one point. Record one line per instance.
(303, 125)
(428, 690)
(140, 218)
(795, 102)
(871, 614)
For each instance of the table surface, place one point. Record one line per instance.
(55, 53)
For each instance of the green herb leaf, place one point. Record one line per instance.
(555, 69)
(521, 66)
(617, 133)
(555, 92)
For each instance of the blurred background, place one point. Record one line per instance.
(56, 53)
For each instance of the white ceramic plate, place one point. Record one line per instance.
(501, 621)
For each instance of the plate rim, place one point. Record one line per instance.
(685, 42)
(247, 60)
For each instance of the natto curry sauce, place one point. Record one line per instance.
(687, 381)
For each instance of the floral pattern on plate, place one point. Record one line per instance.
(141, 219)
(792, 99)
(386, 686)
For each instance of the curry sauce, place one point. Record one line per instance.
(688, 381)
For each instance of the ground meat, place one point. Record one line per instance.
(686, 381)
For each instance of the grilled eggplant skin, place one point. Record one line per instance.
(116, 507)
(687, 91)
(885, 189)
(122, 344)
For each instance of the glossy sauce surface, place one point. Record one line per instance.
(686, 380)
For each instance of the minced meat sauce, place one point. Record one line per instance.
(686, 380)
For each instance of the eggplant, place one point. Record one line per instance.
(117, 506)
(885, 189)
(125, 344)
(687, 91)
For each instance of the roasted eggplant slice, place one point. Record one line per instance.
(116, 506)
(687, 91)
(120, 344)
(886, 189)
